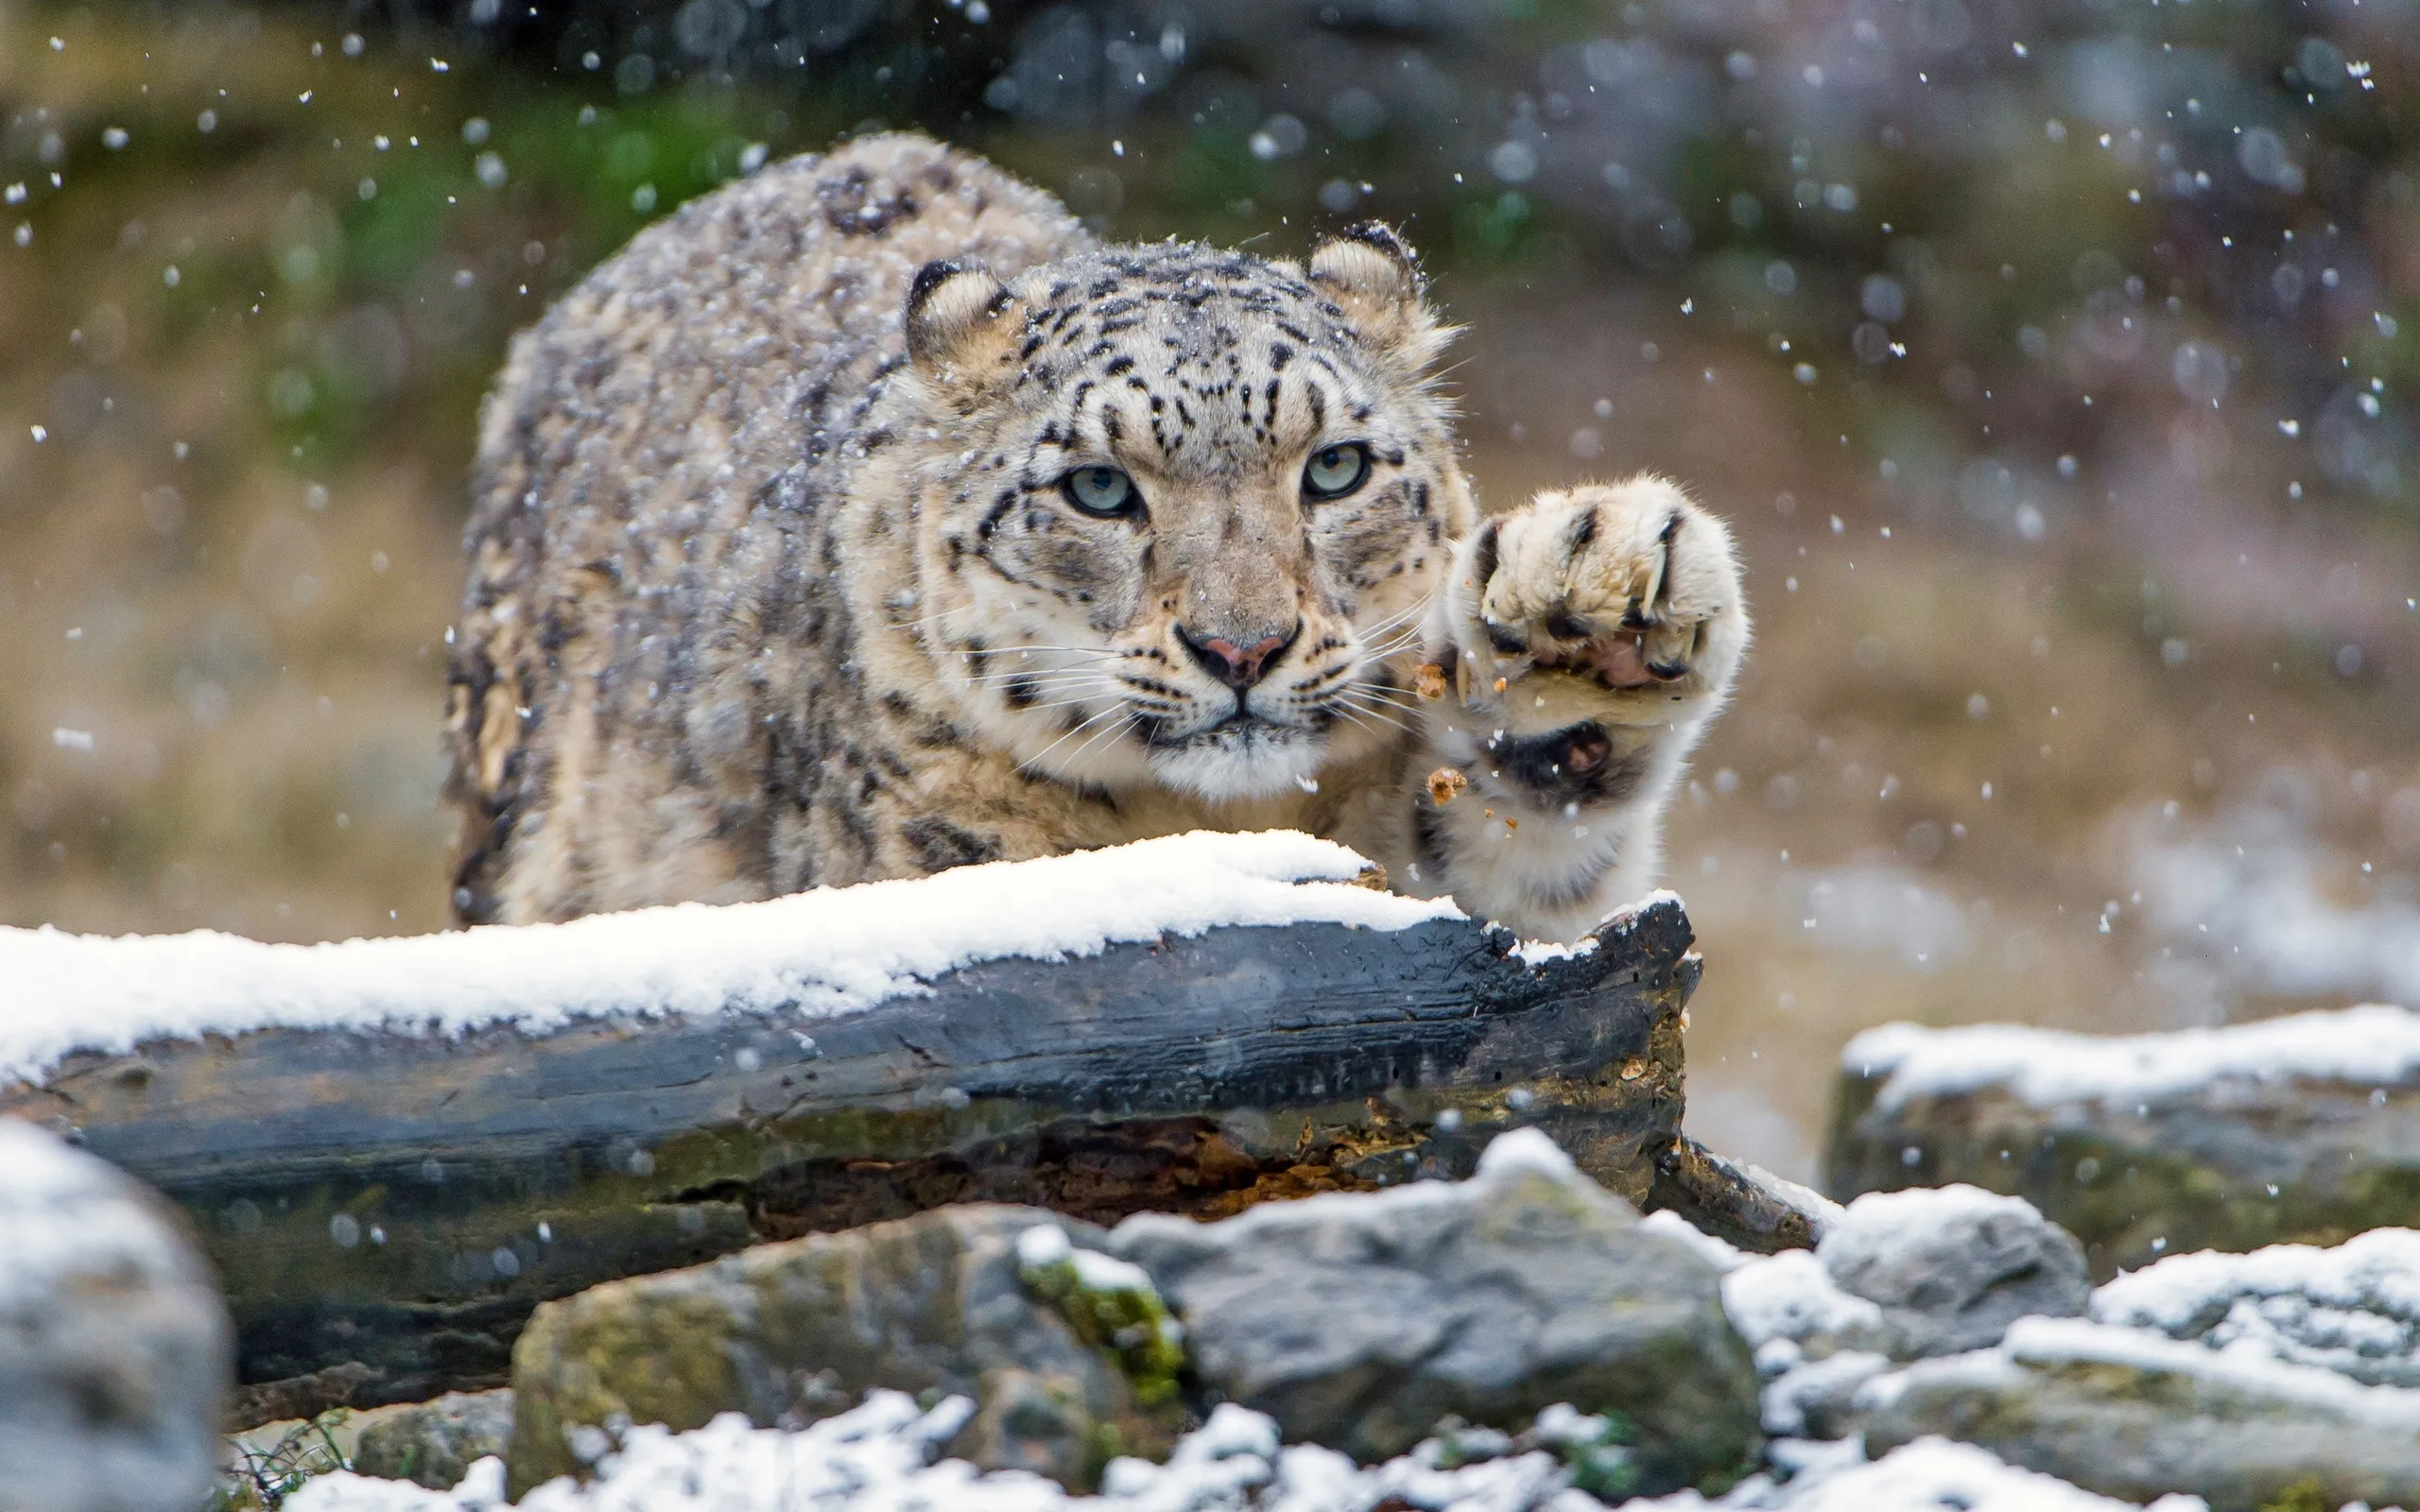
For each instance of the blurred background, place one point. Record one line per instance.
(2054, 360)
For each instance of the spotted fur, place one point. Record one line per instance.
(775, 582)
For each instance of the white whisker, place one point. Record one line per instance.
(1036, 758)
(1358, 712)
(1392, 697)
(1108, 730)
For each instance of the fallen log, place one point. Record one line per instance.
(389, 1182)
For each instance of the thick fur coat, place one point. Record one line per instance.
(869, 518)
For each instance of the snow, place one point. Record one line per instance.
(1933, 1476)
(1914, 1214)
(1790, 1295)
(828, 951)
(2373, 1044)
(1790, 1396)
(1820, 1212)
(1903, 1231)
(1539, 951)
(1524, 1149)
(69, 1221)
(2354, 1309)
(878, 1457)
(2246, 1366)
(1045, 1244)
(1721, 1254)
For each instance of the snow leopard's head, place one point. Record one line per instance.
(1180, 509)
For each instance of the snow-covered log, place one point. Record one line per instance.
(394, 1149)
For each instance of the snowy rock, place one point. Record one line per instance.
(114, 1350)
(2134, 1415)
(1818, 1400)
(1064, 1354)
(1790, 1300)
(2354, 1309)
(1952, 1269)
(1898, 1276)
(1359, 1321)
(2303, 1129)
(436, 1443)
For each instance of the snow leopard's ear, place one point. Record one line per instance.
(962, 321)
(1373, 276)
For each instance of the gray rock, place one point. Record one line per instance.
(2354, 1309)
(2300, 1130)
(435, 1443)
(2137, 1415)
(1952, 1267)
(115, 1351)
(1359, 1321)
(1818, 1400)
(1068, 1355)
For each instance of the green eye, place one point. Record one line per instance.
(1099, 490)
(1337, 472)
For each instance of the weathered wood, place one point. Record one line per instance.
(386, 1209)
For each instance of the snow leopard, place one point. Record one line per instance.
(869, 517)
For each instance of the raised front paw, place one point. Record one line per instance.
(1609, 602)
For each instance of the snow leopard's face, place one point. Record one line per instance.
(1183, 509)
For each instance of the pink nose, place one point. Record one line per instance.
(1239, 667)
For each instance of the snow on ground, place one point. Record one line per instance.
(877, 1458)
(2354, 1309)
(2056, 1341)
(2373, 1043)
(1790, 1295)
(1721, 1254)
(1929, 1475)
(822, 952)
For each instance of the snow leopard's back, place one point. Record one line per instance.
(666, 431)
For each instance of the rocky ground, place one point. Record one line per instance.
(2070, 1270)
(1517, 1342)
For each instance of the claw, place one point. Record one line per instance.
(1620, 662)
